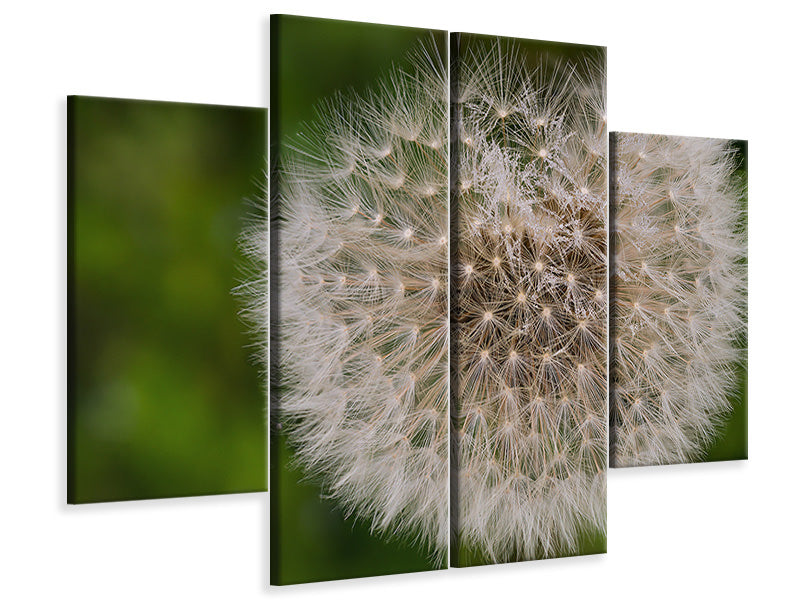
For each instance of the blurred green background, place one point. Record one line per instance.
(534, 52)
(163, 399)
(311, 59)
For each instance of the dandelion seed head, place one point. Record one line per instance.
(363, 394)
(679, 296)
(531, 469)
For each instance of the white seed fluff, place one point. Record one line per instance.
(362, 310)
(679, 296)
(529, 304)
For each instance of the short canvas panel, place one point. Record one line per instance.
(359, 248)
(679, 299)
(162, 398)
(529, 301)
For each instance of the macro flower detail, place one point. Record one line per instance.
(679, 295)
(529, 302)
(362, 317)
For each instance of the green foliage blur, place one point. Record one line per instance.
(163, 399)
(311, 540)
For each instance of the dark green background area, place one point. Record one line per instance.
(534, 52)
(311, 59)
(163, 399)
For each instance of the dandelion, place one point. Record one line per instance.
(679, 286)
(363, 314)
(529, 304)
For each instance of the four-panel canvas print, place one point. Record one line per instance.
(457, 303)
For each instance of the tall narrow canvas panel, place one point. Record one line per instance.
(529, 301)
(679, 299)
(162, 400)
(359, 249)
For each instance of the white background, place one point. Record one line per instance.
(723, 69)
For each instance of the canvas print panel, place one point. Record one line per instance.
(679, 309)
(161, 399)
(529, 302)
(359, 380)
